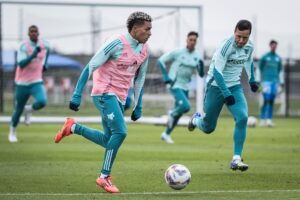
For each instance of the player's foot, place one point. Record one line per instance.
(170, 120)
(12, 136)
(27, 114)
(191, 124)
(270, 123)
(107, 185)
(238, 164)
(167, 138)
(65, 130)
(262, 123)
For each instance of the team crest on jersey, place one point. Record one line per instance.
(111, 116)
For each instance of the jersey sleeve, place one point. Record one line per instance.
(167, 57)
(138, 83)
(22, 53)
(219, 64)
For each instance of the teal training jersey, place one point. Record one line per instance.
(112, 49)
(227, 64)
(22, 51)
(271, 68)
(183, 64)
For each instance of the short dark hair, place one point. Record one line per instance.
(273, 42)
(33, 26)
(243, 25)
(137, 18)
(192, 33)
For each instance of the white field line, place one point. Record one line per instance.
(149, 193)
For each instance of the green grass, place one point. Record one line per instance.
(36, 168)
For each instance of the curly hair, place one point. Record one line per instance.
(137, 18)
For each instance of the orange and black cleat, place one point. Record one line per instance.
(65, 130)
(107, 185)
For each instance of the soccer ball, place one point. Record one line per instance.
(177, 176)
(251, 121)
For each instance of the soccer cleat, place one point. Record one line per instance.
(191, 125)
(65, 130)
(107, 185)
(238, 164)
(12, 137)
(27, 114)
(167, 138)
(170, 121)
(270, 123)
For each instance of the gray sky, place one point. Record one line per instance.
(271, 19)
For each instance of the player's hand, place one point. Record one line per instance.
(169, 81)
(36, 50)
(75, 102)
(255, 87)
(73, 106)
(136, 114)
(229, 100)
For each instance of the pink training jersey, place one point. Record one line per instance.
(115, 76)
(33, 71)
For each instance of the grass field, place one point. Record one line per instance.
(36, 168)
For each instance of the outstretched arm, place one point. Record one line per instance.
(167, 57)
(23, 58)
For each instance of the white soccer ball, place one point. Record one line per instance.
(177, 176)
(252, 121)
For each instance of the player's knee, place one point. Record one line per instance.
(41, 104)
(123, 135)
(209, 130)
(242, 120)
(186, 107)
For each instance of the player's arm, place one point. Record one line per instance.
(200, 68)
(107, 51)
(281, 73)
(47, 47)
(138, 90)
(167, 57)
(219, 65)
(23, 58)
(249, 67)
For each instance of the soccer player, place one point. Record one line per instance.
(184, 62)
(224, 86)
(271, 75)
(120, 60)
(32, 62)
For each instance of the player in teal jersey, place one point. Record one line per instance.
(271, 75)
(224, 86)
(32, 62)
(184, 62)
(118, 62)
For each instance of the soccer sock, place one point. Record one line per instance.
(73, 128)
(91, 134)
(236, 157)
(103, 175)
(12, 130)
(112, 148)
(28, 108)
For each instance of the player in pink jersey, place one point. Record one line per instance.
(121, 60)
(32, 62)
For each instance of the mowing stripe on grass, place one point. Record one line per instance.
(149, 193)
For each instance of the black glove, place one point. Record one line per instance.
(38, 49)
(254, 86)
(229, 100)
(168, 82)
(73, 106)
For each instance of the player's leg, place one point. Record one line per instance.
(112, 113)
(273, 93)
(94, 135)
(38, 92)
(213, 103)
(182, 105)
(239, 112)
(266, 102)
(22, 94)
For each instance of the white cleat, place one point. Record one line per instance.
(12, 137)
(270, 123)
(238, 164)
(27, 114)
(167, 138)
